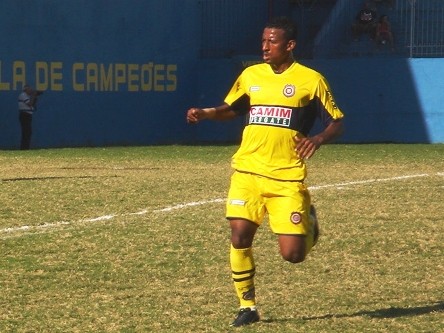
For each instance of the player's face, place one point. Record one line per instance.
(275, 47)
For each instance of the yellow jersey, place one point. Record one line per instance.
(278, 107)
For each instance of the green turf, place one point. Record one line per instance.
(109, 240)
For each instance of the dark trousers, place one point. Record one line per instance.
(26, 125)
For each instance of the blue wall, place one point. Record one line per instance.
(120, 72)
(389, 100)
(385, 100)
(113, 72)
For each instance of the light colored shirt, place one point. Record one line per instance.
(23, 103)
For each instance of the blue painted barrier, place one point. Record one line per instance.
(120, 74)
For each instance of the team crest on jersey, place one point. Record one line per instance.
(289, 90)
(295, 218)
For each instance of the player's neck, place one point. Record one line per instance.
(279, 69)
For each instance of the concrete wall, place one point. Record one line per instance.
(120, 72)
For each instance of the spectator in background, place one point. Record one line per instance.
(365, 22)
(27, 102)
(384, 33)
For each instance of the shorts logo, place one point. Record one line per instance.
(295, 218)
(237, 202)
(289, 90)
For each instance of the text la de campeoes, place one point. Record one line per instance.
(93, 77)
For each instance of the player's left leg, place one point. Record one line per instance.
(293, 219)
(294, 248)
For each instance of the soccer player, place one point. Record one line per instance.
(281, 100)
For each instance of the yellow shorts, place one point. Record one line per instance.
(287, 203)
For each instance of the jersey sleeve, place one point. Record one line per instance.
(238, 97)
(325, 104)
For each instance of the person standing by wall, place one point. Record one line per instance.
(27, 102)
(281, 100)
(384, 33)
(365, 22)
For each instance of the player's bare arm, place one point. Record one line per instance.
(307, 146)
(222, 112)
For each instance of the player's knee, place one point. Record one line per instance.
(294, 257)
(293, 248)
(242, 234)
(241, 242)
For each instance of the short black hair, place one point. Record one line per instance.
(284, 23)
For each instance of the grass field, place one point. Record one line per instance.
(135, 240)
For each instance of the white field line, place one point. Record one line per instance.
(368, 181)
(189, 204)
(46, 226)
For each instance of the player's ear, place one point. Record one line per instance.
(291, 45)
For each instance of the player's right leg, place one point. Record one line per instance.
(243, 270)
(244, 206)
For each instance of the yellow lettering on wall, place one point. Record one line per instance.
(119, 75)
(106, 78)
(146, 77)
(159, 78)
(92, 80)
(75, 80)
(133, 77)
(18, 73)
(56, 76)
(171, 78)
(41, 75)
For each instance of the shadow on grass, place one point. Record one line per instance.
(392, 312)
(47, 178)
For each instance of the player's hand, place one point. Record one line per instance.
(306, 147)
(194, 115)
